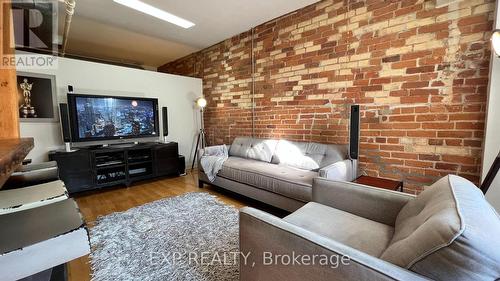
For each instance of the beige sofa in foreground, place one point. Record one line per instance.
(448, 232)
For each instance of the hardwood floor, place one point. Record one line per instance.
(107, 201)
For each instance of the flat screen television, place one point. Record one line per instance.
(100, 118)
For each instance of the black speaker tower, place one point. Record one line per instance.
(354, 132)
(164, 116)
(65, 124)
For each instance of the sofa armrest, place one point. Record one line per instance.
(263, 237)
(201, 152)
(372, 203)
(345, 170)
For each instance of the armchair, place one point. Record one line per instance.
(445, 233)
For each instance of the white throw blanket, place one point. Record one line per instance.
(212, 159)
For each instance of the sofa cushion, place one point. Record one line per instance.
(308, 155)
(251, 148)
(239, 147)
(357, 232)
(447, 232)
(287, 181)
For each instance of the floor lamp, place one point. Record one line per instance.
(201, 103)
(491, 175)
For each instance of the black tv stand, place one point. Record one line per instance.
(97, 167)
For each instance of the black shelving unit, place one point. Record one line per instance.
(91, 168)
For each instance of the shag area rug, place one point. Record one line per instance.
(189, 237)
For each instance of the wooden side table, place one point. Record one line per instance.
(380, 183)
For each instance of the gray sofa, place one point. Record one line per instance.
(448, 232)
(280, 172)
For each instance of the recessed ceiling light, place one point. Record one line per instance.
(155, 12)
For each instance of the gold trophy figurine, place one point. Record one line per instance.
(26, 110)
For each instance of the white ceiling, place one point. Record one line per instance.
(107, 30)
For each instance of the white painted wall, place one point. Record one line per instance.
(176, 92)
(492, 136)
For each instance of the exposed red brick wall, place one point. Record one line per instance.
(420, 74)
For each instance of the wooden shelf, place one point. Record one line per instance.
(140, 163)
(107, 167)
(12, 154)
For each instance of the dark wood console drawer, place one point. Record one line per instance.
(167, 166)
(72, 162)
(166, 151)
(75, 169)
(76, 182)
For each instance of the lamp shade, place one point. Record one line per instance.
(495, 42)
(201, 102)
